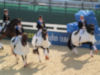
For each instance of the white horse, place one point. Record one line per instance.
(75, 40)
(40, 40)
(20, 47)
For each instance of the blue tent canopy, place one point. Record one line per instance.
(89, 17)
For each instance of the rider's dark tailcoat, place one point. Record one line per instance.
(5, 18)
(40, 25)
(19, 30)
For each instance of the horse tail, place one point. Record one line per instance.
(69, 43)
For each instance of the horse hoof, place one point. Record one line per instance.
(25, 65)
(46, 57)
(96, 51)
(2, 48)
(92, 56)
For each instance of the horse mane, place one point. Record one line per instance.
(11, 27)
(24, 39)
(44, 33)
(13, 23)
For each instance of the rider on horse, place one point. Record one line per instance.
(6, 19)
(40, 39)
(19, 29)
(82, 24)
(85, 35)
(40, 23)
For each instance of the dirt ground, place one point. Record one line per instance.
(62, 62)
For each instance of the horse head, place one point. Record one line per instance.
(91, 28)
(11, 27)
(14, 22)
(44, 33)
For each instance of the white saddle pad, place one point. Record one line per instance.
(85, 37)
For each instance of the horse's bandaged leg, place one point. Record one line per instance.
(75, 51)
(39, 58)
(94, 47)
(24, 59)
(17, 59)
(1, 46)
(91, 53)
(45, 52)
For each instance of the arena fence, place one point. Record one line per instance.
(30, 28)
(50, 27)
(53, 11)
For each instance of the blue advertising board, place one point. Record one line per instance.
(58, 38)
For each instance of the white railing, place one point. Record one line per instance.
(50, 27)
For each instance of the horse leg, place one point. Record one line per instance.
(24, 60)
(74, 50)
(37, 52)
(95, 49)
(1, 46)
(91, 50)
(69, 43)
(16, 58)
(2, 36)
(46, 51)
(71, 46)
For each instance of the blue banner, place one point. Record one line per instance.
(58, 38)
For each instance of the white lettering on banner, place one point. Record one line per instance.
(63, 39)
(97, 42)
(53, 38)
(56, 38)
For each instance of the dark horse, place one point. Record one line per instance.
(73, 41)
(10, 30)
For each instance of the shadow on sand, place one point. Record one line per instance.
(70, 60)
(8, 66)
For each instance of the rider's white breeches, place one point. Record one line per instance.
(81, 32)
